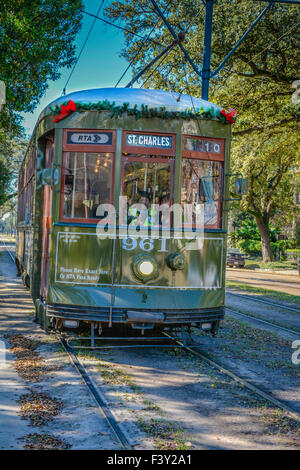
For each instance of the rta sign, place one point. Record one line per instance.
(2, 94)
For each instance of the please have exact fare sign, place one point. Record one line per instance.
(150, 141)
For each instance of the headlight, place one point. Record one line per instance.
(144, 268)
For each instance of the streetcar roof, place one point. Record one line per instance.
(171, 101)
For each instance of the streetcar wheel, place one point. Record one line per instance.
(215, 328)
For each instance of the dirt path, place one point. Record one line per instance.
(280, 282)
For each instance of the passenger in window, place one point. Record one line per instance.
(81, 210)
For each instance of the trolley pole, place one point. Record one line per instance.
(209, 5)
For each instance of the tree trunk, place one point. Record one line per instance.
(265, 240)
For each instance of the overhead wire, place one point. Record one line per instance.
(81, 50)
(139, 50)
(161, 62)
(154, 70)
(122, 28)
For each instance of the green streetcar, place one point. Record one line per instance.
(98, 240)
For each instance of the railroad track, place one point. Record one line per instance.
(190, 349)
(101, 404)
(249, 385)
(8, 251)
(264, 322)
(266, 302)
(106, 412)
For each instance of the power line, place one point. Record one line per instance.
(182, 33)
(153, 71)
(83, 46)
(123, 29)
(139, 50)
(135, 56)
(160, 63)
(149, 65)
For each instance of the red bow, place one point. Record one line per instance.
(64, 111)
(229, 116)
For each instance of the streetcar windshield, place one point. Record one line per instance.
(87, 183)
(200, 187)
(146, 181)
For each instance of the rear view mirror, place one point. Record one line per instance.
(241, 186)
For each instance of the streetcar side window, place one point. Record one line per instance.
(87, 183)
(201, 188)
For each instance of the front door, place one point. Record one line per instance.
(47, 211)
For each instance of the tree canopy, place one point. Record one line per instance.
(36, 40)
(257, 81)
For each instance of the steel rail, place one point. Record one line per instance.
(267, 302)
(254, 388)
(273, 325)
(103, 407)
(5, 246)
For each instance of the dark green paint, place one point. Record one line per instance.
(204, 267)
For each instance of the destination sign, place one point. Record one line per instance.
(90, 138)
(149, 141)
(203, 145)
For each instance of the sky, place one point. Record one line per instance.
(100, 64)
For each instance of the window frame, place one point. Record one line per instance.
(148, 159)
(206, 156)
(85, 148)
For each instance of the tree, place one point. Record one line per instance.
(257, 81)
(274, 59)
(36, 40)
(11, 155)
(4, 179)
(263, 152)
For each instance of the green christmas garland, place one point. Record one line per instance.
(144, 112)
